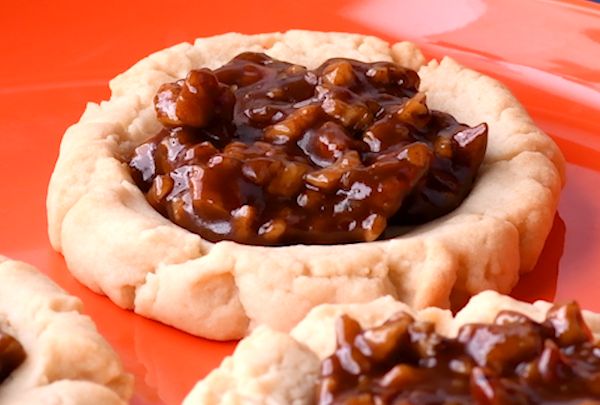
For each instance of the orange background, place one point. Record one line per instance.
(57, 55)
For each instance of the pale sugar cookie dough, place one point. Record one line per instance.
(114, 242)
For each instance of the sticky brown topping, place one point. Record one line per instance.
(12, 355)
(265, 152)
(512, 361)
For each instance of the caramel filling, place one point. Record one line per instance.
(266, 152)
(12, 355)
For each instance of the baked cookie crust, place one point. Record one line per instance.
(223, 290)
(68, 362)
(271, 367)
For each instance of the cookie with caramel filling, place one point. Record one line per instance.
(50, 353)
(221, 288)
(496, 350)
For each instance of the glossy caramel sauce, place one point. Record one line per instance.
(266, 152)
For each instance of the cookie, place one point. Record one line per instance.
(273, 367)
(62, 359)
(222, 290)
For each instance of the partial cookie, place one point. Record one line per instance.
(222, 290)
(271, 367)
(66, 360)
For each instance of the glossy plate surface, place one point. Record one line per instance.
(58, 55)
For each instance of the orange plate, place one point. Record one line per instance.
(58, 55)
